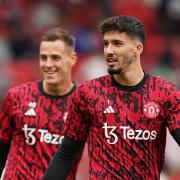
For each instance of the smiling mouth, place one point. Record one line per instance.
(50, 72)
(111, 62)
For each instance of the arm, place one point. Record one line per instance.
(176, 136)
(4, 150)
(6, 130)
(172, 108)
(63, 159)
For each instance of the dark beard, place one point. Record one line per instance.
(114, 71)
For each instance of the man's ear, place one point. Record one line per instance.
(138, 49)
(73, 58)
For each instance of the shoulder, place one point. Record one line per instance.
(164, 90)
(28, 86)
(92, 87)
(162, 83)
(97, 82)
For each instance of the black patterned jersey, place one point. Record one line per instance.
(33, 122)
(125, 127)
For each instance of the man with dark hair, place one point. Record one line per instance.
(123, 116)
(33, 115)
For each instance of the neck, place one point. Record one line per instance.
(57, 90)
(130, 77)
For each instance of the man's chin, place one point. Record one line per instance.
(51, 82)
(114, 71)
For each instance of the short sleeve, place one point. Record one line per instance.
(173, 109)
(78, 119)
(6, 125)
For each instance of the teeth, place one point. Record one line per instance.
(111, 61)
(50, 72)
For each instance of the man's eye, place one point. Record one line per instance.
(118, 43)
(56, 58)
(43, 58)
(105, 43)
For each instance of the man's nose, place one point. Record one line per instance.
(109, 49)
(49, 62)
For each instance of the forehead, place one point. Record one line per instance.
(57, 46)
(116, 35)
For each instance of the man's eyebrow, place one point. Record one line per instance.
(113, 40)
(42, 55)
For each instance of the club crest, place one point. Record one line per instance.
(151, 110)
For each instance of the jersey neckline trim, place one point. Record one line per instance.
(40, 86)
(130, 88)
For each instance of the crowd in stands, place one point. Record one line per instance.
(22, 23)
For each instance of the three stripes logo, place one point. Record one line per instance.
(109, 109)
(31, 111)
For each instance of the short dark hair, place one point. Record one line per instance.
(59, 34)
(130, 25)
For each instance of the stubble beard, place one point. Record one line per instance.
(114, 71)
(125, 63)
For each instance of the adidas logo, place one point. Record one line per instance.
(30, 112)
(109, 109)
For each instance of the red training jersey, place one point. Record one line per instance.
(125, 127)
(33, 122)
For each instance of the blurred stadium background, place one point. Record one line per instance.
(22, 23)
